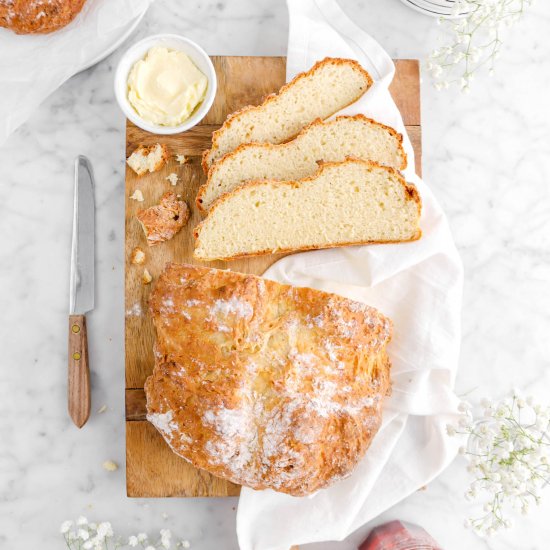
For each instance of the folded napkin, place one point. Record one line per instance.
(33, 66)
(418, 285)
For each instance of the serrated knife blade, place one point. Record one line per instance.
(81, 291)
(81, 297)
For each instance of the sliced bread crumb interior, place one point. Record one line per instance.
(352, 202)
(329, 86)
(334, 141)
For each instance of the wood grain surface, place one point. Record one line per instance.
(152, 470)
(78, 387)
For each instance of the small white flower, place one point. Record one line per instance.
(133, 541)
(88, 544)
(65, 526)
(451, 430)
(150, 548)
(165, 536)
(104, 530)
(83, 534)
(142, 537)
(185, 544)
(82, 521)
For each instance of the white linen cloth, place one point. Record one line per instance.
(418, 285)
(33, 66)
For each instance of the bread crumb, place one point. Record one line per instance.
(148, 159)
(147, 277)
(137, 195)
(110, 466)
(162, 221)
(172, 178)
(182, 159)
(102, 409)
(138, 256)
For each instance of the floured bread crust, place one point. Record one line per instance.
(263, 384)
(38, 16)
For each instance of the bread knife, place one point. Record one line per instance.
(81, 293)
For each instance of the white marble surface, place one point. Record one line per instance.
(486, 155)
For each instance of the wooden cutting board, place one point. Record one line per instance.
(152, 470)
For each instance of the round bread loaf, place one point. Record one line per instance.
(266, 385)
(38, 16)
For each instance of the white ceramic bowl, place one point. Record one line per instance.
(174, 42)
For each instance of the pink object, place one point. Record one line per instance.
(399, 535)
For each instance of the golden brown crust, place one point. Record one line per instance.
(162, 221)
(267, 385)
(234, 116)
(409, 189)
(32, 16)
(216, 166)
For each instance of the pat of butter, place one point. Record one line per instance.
(165, 87)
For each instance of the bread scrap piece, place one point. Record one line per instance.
(344, 203)
(148, 159)
(329, 86)
(162, 221)
(266, 385)
(38, 16)
(137, 257)
(346, 136)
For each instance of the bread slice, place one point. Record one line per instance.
(148, 159)
(330, 85)
(334, 141)
(345, 203)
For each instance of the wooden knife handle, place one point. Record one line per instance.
(79, 371)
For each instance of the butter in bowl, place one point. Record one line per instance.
(165, 84)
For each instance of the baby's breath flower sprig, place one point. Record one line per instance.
(508, 454)
(82, 535)
(475, 41)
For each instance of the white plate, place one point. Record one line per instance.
(108, 49)
(434, 8)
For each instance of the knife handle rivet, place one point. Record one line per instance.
(76, 329)
(76, 356)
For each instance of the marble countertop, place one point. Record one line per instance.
(487, 158)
